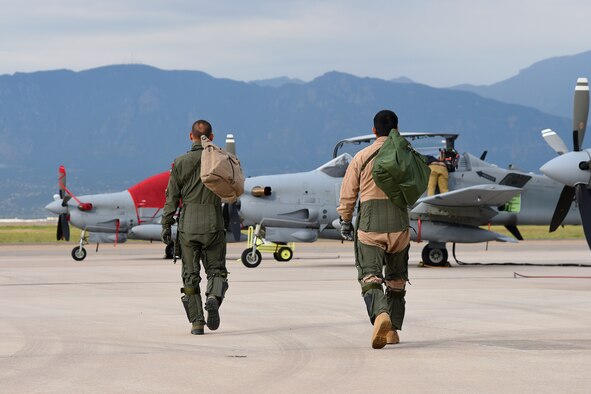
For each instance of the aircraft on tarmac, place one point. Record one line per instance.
(300, 207)
(134, 213)
(572, 168)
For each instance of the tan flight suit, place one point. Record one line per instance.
(382, 239)
(439, 178)
(201, 232)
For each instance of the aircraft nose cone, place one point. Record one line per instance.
(565, 169)
(56, 207)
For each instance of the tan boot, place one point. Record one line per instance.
(381, 327)
(392, 337)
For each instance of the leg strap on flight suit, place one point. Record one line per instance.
(217, 285)
(370, 284)
(396, 287)
(188, 291)
(190, 299)
(395, 281)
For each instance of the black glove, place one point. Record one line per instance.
(166, 235)
(346, 230)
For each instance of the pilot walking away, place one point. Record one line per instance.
(382, 238)
(201, 233)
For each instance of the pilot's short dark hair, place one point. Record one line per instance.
(384, 122)
(207, 128)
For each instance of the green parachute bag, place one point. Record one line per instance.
(400, 171)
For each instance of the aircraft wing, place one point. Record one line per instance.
(474, 205)
(479, 195)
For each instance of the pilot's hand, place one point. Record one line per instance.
(166, 235)
(346, 230)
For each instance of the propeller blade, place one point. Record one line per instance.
(580, 112)
(61, 181)
(562, 207)
(555, 142)
(584, 201)
(66, 228)
(235, 225)
(515, 231)
(230, 144)
(63, 227)
(60, 232)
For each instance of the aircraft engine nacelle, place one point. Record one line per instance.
(285, 234)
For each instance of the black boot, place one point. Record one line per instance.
(212, 307)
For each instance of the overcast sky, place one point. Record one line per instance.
(440, 43)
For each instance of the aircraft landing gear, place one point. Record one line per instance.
(250, 259)
(435, 255)
(79, 253)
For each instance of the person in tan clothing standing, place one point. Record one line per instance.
(439, 177)
(382, 238)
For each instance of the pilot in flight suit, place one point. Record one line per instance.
(201, 233)
(382, 239)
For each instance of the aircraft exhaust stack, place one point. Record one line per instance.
(259, 191)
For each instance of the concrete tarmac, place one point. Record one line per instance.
(114, 323)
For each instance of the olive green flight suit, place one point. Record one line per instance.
(201, 232)
(382, 216)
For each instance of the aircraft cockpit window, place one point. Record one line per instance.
(337, 167)
(428, 145)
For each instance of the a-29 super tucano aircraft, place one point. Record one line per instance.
(302, 206)
(134, 213)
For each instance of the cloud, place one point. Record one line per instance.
(440, 43)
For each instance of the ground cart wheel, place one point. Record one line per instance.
(283, 254)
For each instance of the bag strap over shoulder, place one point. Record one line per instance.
(365, 164)
(205, 142)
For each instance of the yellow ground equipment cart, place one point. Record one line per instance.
(251, 257)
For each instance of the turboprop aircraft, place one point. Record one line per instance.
(572, 168)
(134, 213)
(301, 207)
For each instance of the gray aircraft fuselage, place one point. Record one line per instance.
(302, 206)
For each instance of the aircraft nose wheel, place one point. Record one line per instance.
(435, 256)
(251, 260)
(78, 253)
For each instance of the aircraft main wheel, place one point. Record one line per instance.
(251, 260)
(78, 253)
(434, 256)
(283, 254)
(169, 251)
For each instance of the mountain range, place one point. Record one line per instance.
(116, 125)
(546, 85)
